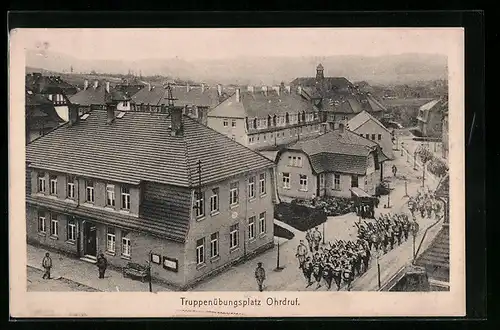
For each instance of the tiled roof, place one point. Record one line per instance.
(139, 147)
(157, 96)
(331, 83)
(429, 105)
(48, 84)
(165, 227)
(35, 99)
(334, 151)
(437, 255)
(443, 188)
(97, 96)
(361, 118)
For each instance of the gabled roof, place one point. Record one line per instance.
(430, 105)
(48, 84)
(139, 147)
(443, 188)
(437, 255)
(335, 151)
(360, 119)
(97, 96)
(195, 97)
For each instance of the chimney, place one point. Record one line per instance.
(341, 127)
(202, 115)
(202, 88)
(320, 72)
(73, 114)
(107, 86)
(149, 87)
(187, 87)
(219, 89)
(264, 89)
(176, 126)
(250, 89)
(85, 84)
(110, 107)
(96, 84)
(299, 90)
(238, 97)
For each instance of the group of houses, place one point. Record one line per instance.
(178, 176)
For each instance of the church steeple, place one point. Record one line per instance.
(319, 72)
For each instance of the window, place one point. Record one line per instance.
(199, 205)
(71, 231)
(262, 223)
(354, 181)
(264, 137)
(373, 137)
(214, 200)
(214, 245)
(90, 191)
(262, 183)
(110, 195)
(299, 161)
(379, 137)
(233, 137)
(126, 198)
(200, 251)
(41, 182)
(126, 245)
(336, 181)
(233, 236)
(42, 225)
(110, 240)
(71, 187)
(303, 182)
(53, 185)
(233, 123)
(251, 187)
(286, 180)
(251, 228)
(225, 122)
(54, 225)
(233, 193)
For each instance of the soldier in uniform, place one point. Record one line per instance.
(316, 236)
(102, 264)
(307, 270)
(260, 275)
(347, 274)
(328, 271)
(301, 253)
(309, 239)
(337, 272)
(317, 272)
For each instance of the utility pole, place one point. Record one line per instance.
(324, 232)
(389, 195)
(278, 267)
(378, 272)
(149, 272)
(423, 175)
(406, 188)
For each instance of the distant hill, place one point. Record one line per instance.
(390, 69)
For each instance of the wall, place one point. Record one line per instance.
(222, 221)
(345, 185)
(239, 132)
(371, 127)
(282, 135)
(62, 111)
(435, 123)
(306, 169)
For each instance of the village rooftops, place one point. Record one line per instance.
(48, 84)
(362, 118)
(139, 147)
(339, 151)
(97, 96)
(196, 96)
(260, 104)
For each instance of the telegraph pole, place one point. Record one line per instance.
(278, 267)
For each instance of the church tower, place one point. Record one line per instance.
(319, 72)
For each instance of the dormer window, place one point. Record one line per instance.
(41, 183)
(53, 185)
(90, 191)
(126, 198)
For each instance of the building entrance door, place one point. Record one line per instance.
(90, 239)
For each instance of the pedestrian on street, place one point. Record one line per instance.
(47, 265)
(260, 276)
(394, 170)
(301, 253)
(307, 270)
(102, 264)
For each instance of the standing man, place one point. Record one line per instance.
(47, 265)
(102, 264)
(301, 253)
(316, 236)
(260, 275)
(394, 170)
(309, 239)
(307, 270)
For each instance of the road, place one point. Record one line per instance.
(36, 283)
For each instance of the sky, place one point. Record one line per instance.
(192, 44)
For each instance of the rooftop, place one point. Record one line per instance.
(97, 96)
(156, 96)
(48, 84)
(139, 147)
(361, 118)
(437, 255)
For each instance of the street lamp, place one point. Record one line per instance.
(278, 267)
(389, 195)
(406, 187)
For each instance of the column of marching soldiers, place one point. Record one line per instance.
(344, 260)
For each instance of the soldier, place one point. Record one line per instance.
(394, 170)
(301, 253)
(307, 271)
(328, 272)
(47, 265)
(316, 271)
(316, 236)
(347, 274)
(437, 209)
(309, 239)
(337, 273)
(260, 275)
(102, 264)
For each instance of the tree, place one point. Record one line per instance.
(425, 156)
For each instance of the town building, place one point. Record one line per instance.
(41, 116)
(336, 97)
(430, 118)
(142, 186)
(98, 95)
(364, 124)
(130, 86)
(444, 139)
(331, 164)
(265, 117)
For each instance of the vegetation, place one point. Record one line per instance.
(300, 217)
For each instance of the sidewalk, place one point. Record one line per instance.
(85, 273)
